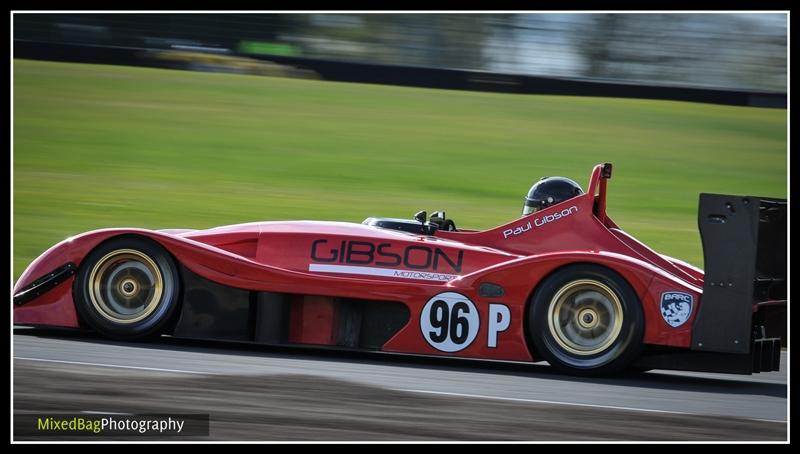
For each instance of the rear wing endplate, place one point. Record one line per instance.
(744, 249)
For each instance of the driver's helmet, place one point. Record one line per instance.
(549, 191)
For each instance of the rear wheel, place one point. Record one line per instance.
(586, 320)
(127, 288)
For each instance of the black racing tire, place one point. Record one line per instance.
(127, 288)
(586, 320)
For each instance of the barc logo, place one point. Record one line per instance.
(676, 307)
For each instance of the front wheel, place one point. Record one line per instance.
(127, 288)
(586, 320)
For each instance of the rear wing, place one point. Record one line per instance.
(743, 308)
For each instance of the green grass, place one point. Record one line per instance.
(102, 146)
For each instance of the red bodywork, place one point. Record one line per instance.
(319, 262)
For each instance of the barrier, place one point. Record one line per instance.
(442, 78)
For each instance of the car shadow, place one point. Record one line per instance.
(711, 383)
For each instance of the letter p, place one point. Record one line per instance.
(499, 321)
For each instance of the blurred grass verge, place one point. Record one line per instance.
(106, 146)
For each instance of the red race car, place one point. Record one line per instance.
(563, 283)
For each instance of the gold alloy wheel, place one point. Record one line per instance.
(125, 286)
(585, 317)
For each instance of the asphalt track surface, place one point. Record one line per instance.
(268, 393)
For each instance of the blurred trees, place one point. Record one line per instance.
(436, 40)
(729, 50)
(721, 50)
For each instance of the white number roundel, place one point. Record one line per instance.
(449, 322)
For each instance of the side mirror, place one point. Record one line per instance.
(422, 216)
